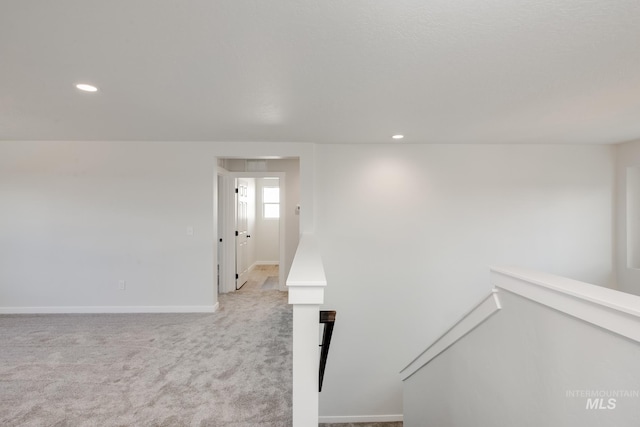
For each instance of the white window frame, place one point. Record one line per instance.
(264, 204)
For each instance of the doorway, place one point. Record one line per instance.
(251, 226)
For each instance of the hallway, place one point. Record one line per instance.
(262, 278)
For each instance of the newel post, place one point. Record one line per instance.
(306, 283)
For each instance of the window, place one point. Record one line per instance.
(271, 202)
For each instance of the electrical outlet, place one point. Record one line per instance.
(189, 231)
(122, 285)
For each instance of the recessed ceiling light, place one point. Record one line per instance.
(87, 88)
(397, 136)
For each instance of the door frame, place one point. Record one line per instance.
(220, 223)
(228, 271)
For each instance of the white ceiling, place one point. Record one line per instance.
(326, 71)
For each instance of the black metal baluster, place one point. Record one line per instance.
(327, 318)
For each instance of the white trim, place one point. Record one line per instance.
(361, 419)
(222, 229)
(489, 306)
(612, 310)
(112, 309)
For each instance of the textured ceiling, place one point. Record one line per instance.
(444, 71)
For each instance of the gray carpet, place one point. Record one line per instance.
(230, 368)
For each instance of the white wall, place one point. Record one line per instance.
(522, 368)
(267, 230)
(75, 217)
(628, 155)
(408, 232)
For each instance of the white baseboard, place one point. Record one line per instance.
(360, 419)
(112, 309)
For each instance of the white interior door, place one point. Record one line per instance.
(242, 232)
